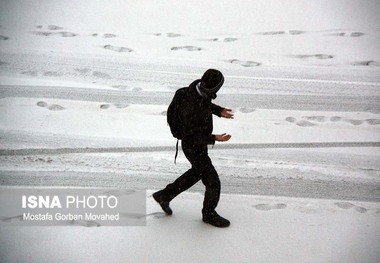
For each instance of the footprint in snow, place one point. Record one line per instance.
(305, 123)
(101, 75)
(67, 34)
(317, 56)
(373, 121)
(118, 49)
(347, 205)
(104, 106)
(97, 74)
(40, 33)
(54, 27)
(268, 207)
(230, 39)
(156, 215)
(356, 34)
(315, 118)
(310, 119)
(370, 63)
(323, 56)
(173, 35)
(346, 34)
(279, 33)
(210, 39)
(52, 107)
(354, 122)
(50, 27)
(291, 119)
(296, 32)
(186, 48)
(116, 105)
(226, 39)
(48, 34)
(55, 107)
(301, 123)
(335, 118)
(42, 104)
(245, 63)
(108, 35)
(272, 33)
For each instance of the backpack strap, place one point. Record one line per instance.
(176, 152)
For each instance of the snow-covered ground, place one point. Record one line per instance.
(264, 229)
(84, 90)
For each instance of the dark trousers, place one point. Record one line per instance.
(201, 169)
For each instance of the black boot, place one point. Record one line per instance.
(214, 219)
(164, 204)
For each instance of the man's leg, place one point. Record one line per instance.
(202, 165)
(202, 168)
(210, 179)
(181, 184)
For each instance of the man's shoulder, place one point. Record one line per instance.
(181, 93)
(182, 90)
(186, 91)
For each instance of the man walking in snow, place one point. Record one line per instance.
(195, 112)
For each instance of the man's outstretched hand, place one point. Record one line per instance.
(226, 113)
(222, 137)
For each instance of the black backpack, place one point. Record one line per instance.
(174, 117)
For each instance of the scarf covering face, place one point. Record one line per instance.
(212, 80)
(200, 92)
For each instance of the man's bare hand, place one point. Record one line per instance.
(226, 113)
(222, 137)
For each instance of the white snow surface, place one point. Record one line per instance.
(263, 229)
(84, 89)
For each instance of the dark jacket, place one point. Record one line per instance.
(196, 114)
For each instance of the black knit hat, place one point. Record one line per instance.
(211, 81)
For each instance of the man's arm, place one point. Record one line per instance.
(221, 112)
(196, 135)
(217, 110)
(210, 139)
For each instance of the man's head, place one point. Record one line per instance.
(211, 81)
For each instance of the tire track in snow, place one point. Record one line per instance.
(299, 188)
(50, 151)
(263, 101)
